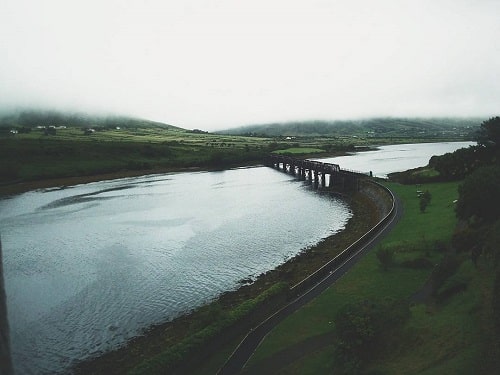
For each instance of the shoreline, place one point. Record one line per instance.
(27, 186)
(157, 337)
(154, 338)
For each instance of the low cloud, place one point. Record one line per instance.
(214, 65)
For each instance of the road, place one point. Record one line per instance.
(253, 339)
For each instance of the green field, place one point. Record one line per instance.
(438, 338)
(70, 152)
(40, 145)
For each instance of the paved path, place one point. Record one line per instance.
(247, 347)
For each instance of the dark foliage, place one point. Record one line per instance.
(489, 133)
(364, 325)
(385, 257)
(425, 200)
(466, 239)
(443, 271)
(417, 263)
(479, 195)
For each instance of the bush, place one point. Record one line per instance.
(418, 263)
(425, 200)
(363, 325)
(443, 271)
(479, 195)
(385, 257)
(465, 239)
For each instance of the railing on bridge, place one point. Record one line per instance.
(316, 172)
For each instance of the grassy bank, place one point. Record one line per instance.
(39, 154)
(441, 336)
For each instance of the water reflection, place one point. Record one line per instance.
(91, 266)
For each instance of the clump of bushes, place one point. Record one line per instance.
(417, 263)
(362, 327)
(385, 256)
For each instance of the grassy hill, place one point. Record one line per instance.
(23, 120)
(460, 128)
(40, 145)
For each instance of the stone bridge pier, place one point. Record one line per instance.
(319, 174)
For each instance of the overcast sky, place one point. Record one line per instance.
(215, 64)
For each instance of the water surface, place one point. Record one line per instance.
(90, 266)
(395, 158)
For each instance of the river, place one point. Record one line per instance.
(394, 158)
(89, 266)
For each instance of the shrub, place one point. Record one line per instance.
(443, 271)
(465, 239)
(418, 263)
(385, 257)
(425, 200)
(479, 195)
(362, 325)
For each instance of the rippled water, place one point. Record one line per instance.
(90, 266)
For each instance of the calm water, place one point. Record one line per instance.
(395, 158)
(89, 266)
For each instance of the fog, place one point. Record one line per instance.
(217, 64)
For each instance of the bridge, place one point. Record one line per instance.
(318, 174)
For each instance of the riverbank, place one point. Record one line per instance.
(25, 186)
(153, 341)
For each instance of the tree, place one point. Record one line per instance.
(425, 199)
(479, 195)
(385, 257)
(362, 326)
(489, 133)
(423, 204)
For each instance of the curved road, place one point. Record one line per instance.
(252, 340)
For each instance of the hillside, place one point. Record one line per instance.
(30, 119)
(376, 128)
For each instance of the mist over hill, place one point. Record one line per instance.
(377, 127)
(34, 118)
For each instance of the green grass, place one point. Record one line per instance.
(68, 153)
(443, 340)
(300, 151)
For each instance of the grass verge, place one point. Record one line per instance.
(438, 338)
